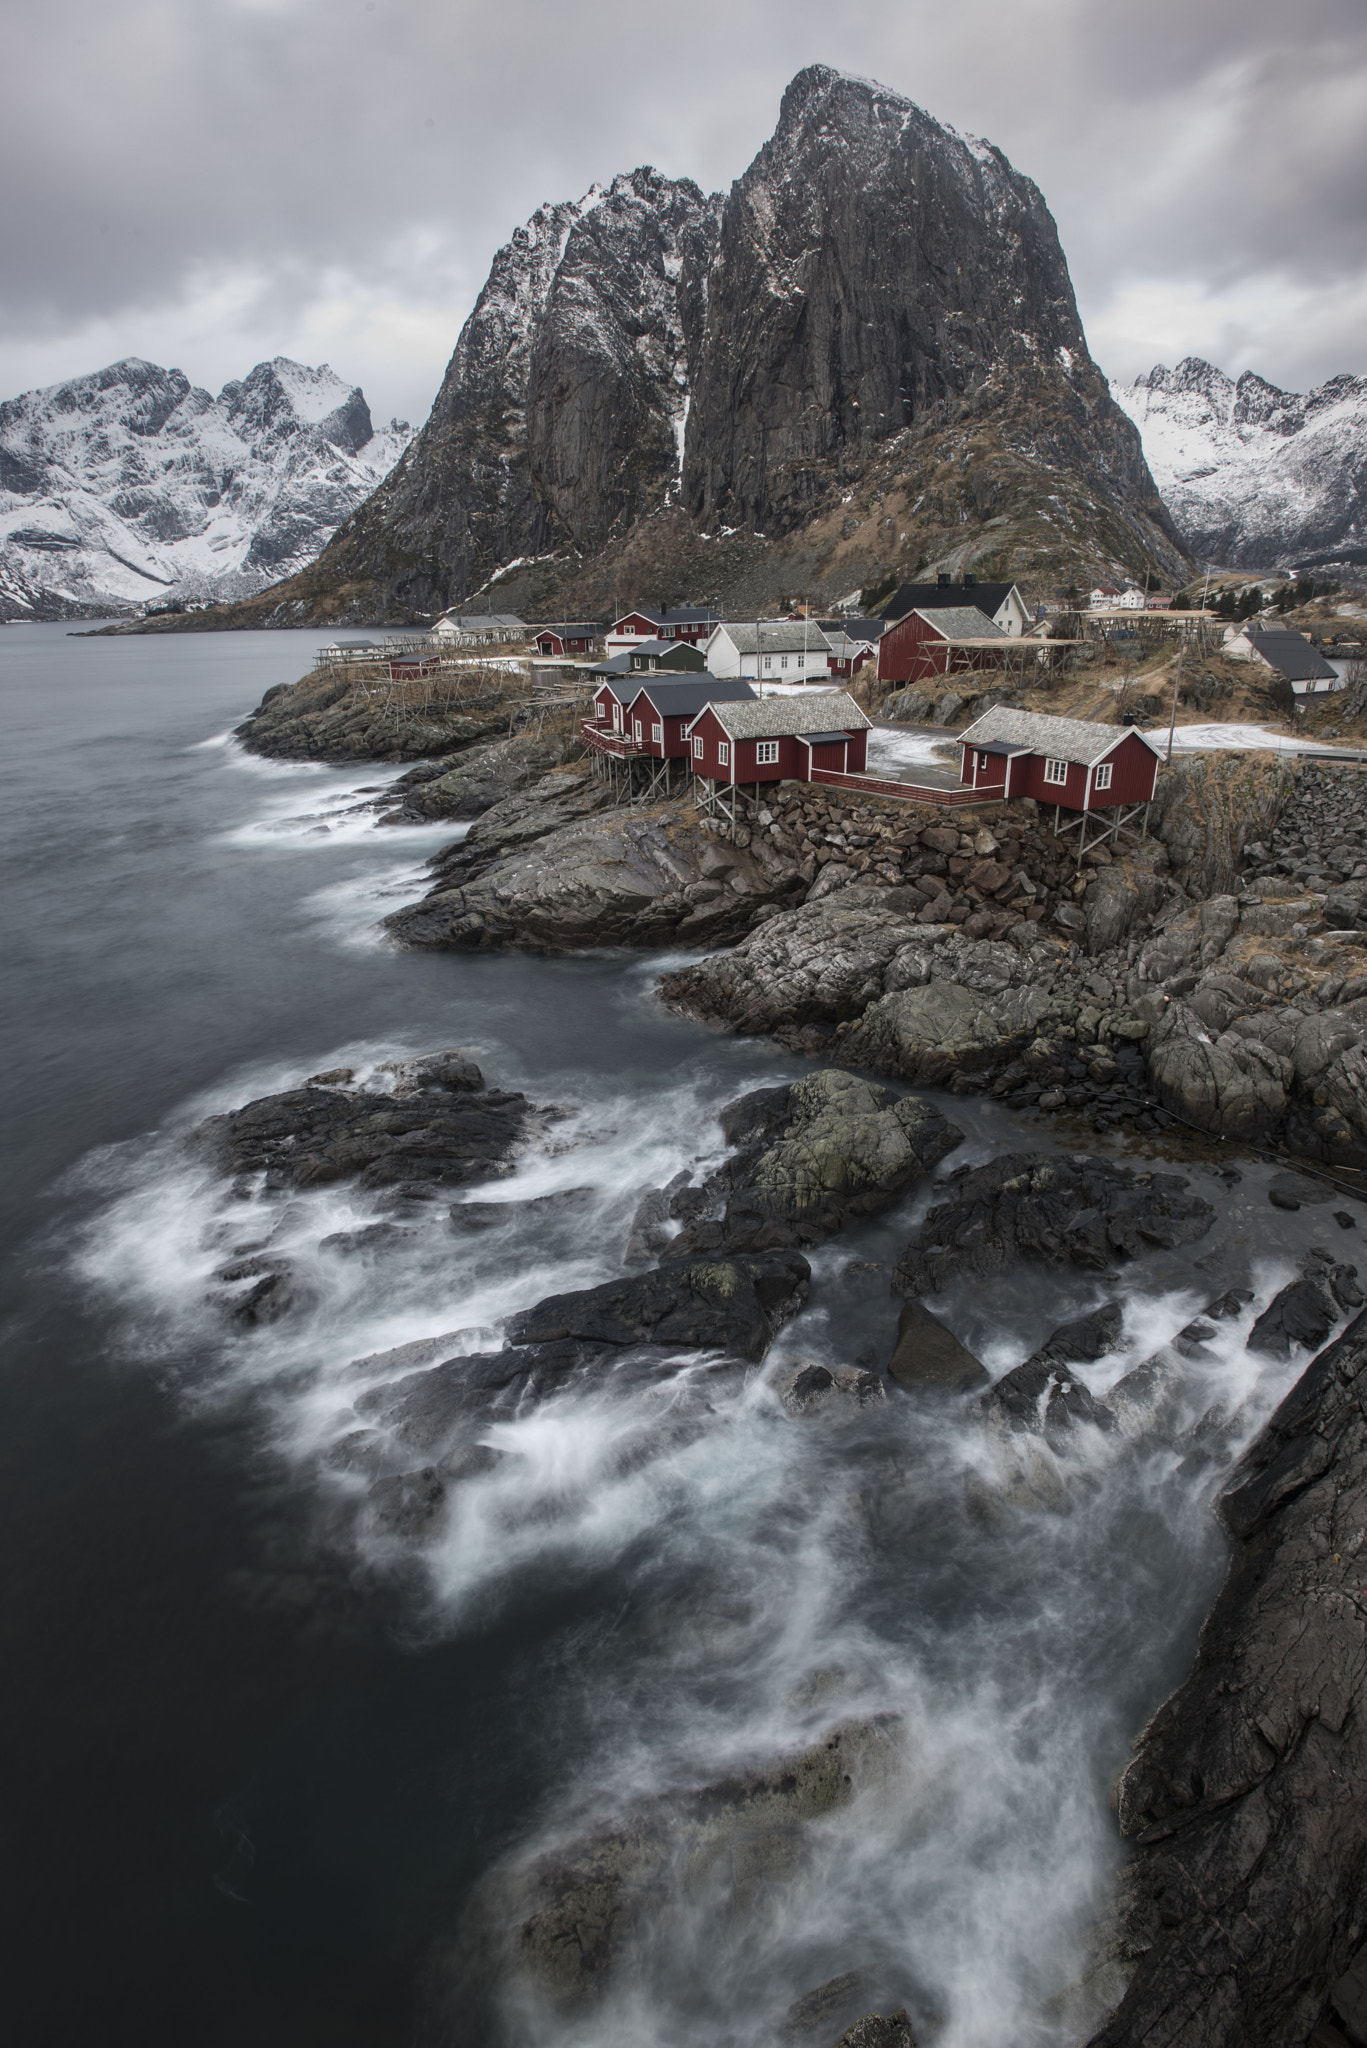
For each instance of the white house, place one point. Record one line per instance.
(774, 651)
(1000, 603)
(478, 629)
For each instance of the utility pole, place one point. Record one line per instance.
(1176, 685)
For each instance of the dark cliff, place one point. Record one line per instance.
(865, 360)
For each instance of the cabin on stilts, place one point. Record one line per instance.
(806, 738)
(1103, 775)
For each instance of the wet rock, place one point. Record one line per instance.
(813, 1157)
(927, 1355)
(575, 1912)
(558, 869)
(440, 1127)
(477, 1216)
(1241, 1910)
(1232, 1086)
(482, 777)
(812, 1389)
(879, 2030)
(1089, 1337)
(1045, 1398)
(1059, 1210)
(735, 1304)
(1297, 1191)
(947, 1029)
(821, 2010)
(1148, 1401)
(1303, 1313)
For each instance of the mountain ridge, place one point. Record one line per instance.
(1256, 477)
(130, 483)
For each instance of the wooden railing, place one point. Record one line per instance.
(907, 792)
(614, 743)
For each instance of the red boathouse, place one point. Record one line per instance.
(1101, 772)
(779, 739)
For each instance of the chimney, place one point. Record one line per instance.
(970, 580)
(943, 580)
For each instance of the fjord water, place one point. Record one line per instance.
(260, 1759)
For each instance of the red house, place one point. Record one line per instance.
(1062, 761)
(947, 641)
(689, 622)
(662, 708)
(407, 668)
(779, 739)
(567, 637)
(610, 702)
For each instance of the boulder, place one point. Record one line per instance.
(879, 2030)
(482, 777)
(440, 1127)
(1056, 1209)
(734, 1304)
(928, 1355)
(929, 1035)
(1047, 1399)
(1234, 1086)
(814, 1389)
(814, 1156)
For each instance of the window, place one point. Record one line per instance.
(657, 733)
(766, 752)
(697, 749)
(723, 755)
(1056, 771)
(602, 709)
(637, 724)
(982, 760)
(617, 717)
(802, 661)
(783, 661)
(1102, 778)
(768, 661)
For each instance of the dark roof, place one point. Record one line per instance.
(685, 699)
(1295, 658)
(677, 615)
(615, 667)
(929, 597)
(857, 629)
(995, 747)
(665, 653)
(823, 739)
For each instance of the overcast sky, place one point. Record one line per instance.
(209, 182)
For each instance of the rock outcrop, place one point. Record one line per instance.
(1244, 1913)
(331, 717)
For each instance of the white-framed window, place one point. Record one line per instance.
(802, 661)
(768, 661)
(637, 724)
(657, 733)
(783, 661)
(602, 709)
(1102, 778)
(766, 752)
(1056, 771)
(723, 754)
(982, 760)
(697, 747)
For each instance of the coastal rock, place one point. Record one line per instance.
(439, 1127)
(879, 2030)
(633, 877)
(1241, 1913)
(735, 1304)
(576, 1912)
(812, 1158)
(1059, 1210)
(481, 778)
(1234, 1086)
(929, 1356)
(329, 717)
(1208, 807)
(815, 1389)
(934, 1034)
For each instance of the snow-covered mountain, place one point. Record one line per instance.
(132, 484)
(1255, 477)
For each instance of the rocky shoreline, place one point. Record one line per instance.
(1214, 974)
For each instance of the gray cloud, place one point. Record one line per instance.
(208, 181)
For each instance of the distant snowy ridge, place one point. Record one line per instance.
(1256, 477)
(132, 484)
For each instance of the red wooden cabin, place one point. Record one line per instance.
(779, 739)
(407, 668)
(662, 708)
(948, 641)
(610, 702)
(1063, 761)
(576, 637)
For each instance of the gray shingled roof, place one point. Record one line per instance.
(1064, 739)
(962, 622)
(687, 697)
(779, 636)
(772, 718)
(1292, 656)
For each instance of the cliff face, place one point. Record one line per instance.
(1255, 476)
(559, 420)
(867, 357)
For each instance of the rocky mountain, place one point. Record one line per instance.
(132, 484)
(1255, 477)
(864, 360)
